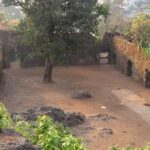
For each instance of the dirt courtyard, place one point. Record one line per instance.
(23, 89)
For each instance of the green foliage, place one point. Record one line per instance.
(147, 51)
(130, 148)
(71, 143)
(5, 118)
(139, 29)
(55, 137)
(104, 9)
(25, 129)
(50, 135)
(2, 17)
(50, 27)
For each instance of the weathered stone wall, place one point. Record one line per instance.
(122, 52)
(1, 59)
(131, 52)
(9, 44)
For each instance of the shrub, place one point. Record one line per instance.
(5, 118)
(52, 136)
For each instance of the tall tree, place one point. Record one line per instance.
(60, 27)
(115, 19)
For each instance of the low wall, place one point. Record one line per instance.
(1, 59)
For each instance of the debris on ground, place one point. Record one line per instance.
(104, 117)
(103, 107)
(106, 131)
(81, 95)
(68, 119)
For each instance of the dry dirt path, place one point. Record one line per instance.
(24, 89)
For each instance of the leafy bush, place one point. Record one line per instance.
(55, 137)
(25, 129)
(139, 29)
(5, 118)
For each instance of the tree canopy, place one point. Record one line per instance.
(59, 27)
(139, 29)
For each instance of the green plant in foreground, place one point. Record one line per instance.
(25, 129)
(130, 148)
(55, 137)
(5, 118)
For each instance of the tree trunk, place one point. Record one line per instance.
(48, 71)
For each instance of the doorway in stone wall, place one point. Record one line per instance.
(114, 58)
(104, 57)
(129, 68)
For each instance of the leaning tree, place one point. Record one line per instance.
(58, 27)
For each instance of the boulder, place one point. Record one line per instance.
(106, 131)
(81, 95)
(104, 117)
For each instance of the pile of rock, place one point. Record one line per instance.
(68, 119)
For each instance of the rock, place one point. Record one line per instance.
(104, 117)
(68, 119)
(106, 131)
(81, 95)
(74, 119)
(146, 104)
(10, 140)
(57, 114)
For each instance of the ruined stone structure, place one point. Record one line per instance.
(8, 45)
(1, 59)
(126, 56)
(11, 48)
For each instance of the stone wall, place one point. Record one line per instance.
(1, 59)
(124, 53)
(9, 44)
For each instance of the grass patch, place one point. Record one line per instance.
(147, 51)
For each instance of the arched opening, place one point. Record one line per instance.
(129, 68)
(104, 57)
(114, 59)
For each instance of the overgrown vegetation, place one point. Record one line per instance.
(5, 118)
(139, 31)
(47, 133)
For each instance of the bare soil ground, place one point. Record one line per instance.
(24, 89)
